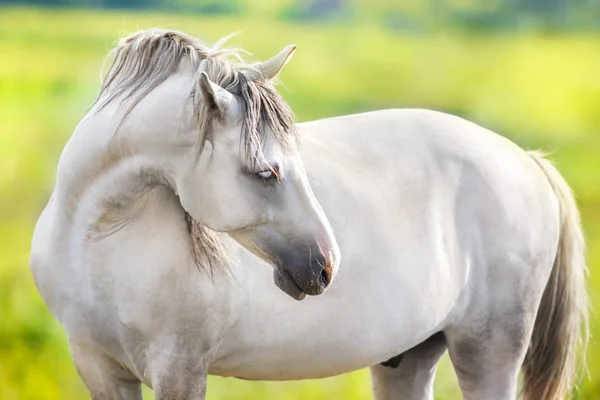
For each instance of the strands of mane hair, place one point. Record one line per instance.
(263, 113)
(208, 248)
(144, 60)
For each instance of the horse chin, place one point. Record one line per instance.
(285, 282)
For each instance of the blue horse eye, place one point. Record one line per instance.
(269, 174)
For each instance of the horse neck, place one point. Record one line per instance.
(97, 189)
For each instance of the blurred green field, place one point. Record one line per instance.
(543, 92)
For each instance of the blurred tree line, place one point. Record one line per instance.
(415, 15)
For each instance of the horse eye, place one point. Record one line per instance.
(270, 174)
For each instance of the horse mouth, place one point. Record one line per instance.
(285, 282)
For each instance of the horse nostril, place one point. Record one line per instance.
(325, 270)
(325, 278)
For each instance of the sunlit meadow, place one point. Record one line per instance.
(541, 91)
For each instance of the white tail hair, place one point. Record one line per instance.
(561, 327)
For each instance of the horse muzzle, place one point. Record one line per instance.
(300, 274)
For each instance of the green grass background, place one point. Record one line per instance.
(541, 91)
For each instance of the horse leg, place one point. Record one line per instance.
(104, 378)
(409, 376)
(183, 379)
(487, 356)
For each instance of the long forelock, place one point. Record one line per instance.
(264, 111)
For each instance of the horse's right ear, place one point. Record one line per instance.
(273, 66)
(214, 95)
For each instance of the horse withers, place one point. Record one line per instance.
(186, 180)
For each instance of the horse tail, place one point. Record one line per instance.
(561, 326)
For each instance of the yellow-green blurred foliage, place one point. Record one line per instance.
(541, 91)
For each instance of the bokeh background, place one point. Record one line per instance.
(529, 69)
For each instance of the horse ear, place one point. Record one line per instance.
(271, 68)
(214, 95)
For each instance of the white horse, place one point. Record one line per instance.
(450, 236)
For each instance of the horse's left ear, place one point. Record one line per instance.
(271, 68)
(214, 95)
